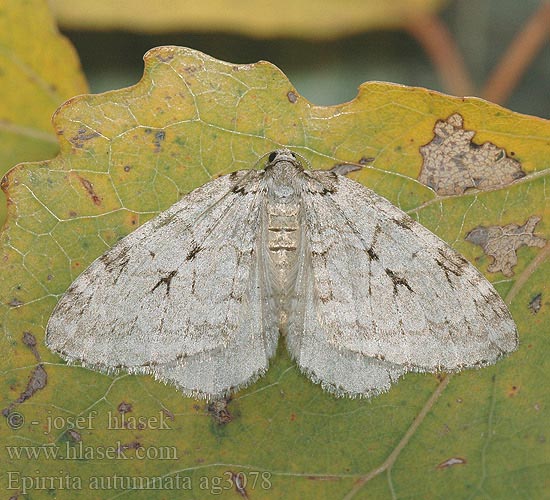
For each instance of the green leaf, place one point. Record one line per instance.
(128, 154)
(260, 18)
(39, 71)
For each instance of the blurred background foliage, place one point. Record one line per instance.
(497, 49)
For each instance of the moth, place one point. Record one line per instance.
(361, 292)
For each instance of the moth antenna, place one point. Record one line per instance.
(304, 159)
(260, 160)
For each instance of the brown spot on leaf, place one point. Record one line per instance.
(89, 187)
(30, 341)
(535, 303)
(37, 380)
(15, 302)
(502, 242)
(365, 160)
(450, 462)
(513, 391)
(239, 481)
(292, 96)
(191, 68)
(160, 135)
(82, 136)
(219, 411)
(453, 163)
(162, 57)
(4, 183)
(73, 435)
(134, 445)
(124, 407)
(127, 168)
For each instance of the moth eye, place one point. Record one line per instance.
(293, 155)
(272, 156)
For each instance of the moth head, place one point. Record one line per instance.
(281, 155)
(284, 155)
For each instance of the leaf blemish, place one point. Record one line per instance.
(37, 380)
(165, 58)
(292, 97)
(73, 435)
(365, 160)
(451, 461)
(82, 136)
(15, 302)
(219, 411)
(453, 163)
(124, 407)
(159, 138)
(535, 303)
(501, 243)
(513, 391)
(239, 484)
(89, 187)
(134, 445)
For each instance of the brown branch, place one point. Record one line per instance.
(432, 34)
(519, 56)
(526, 274)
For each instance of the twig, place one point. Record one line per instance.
(519, 56)
(527, 272)
(440, 46)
